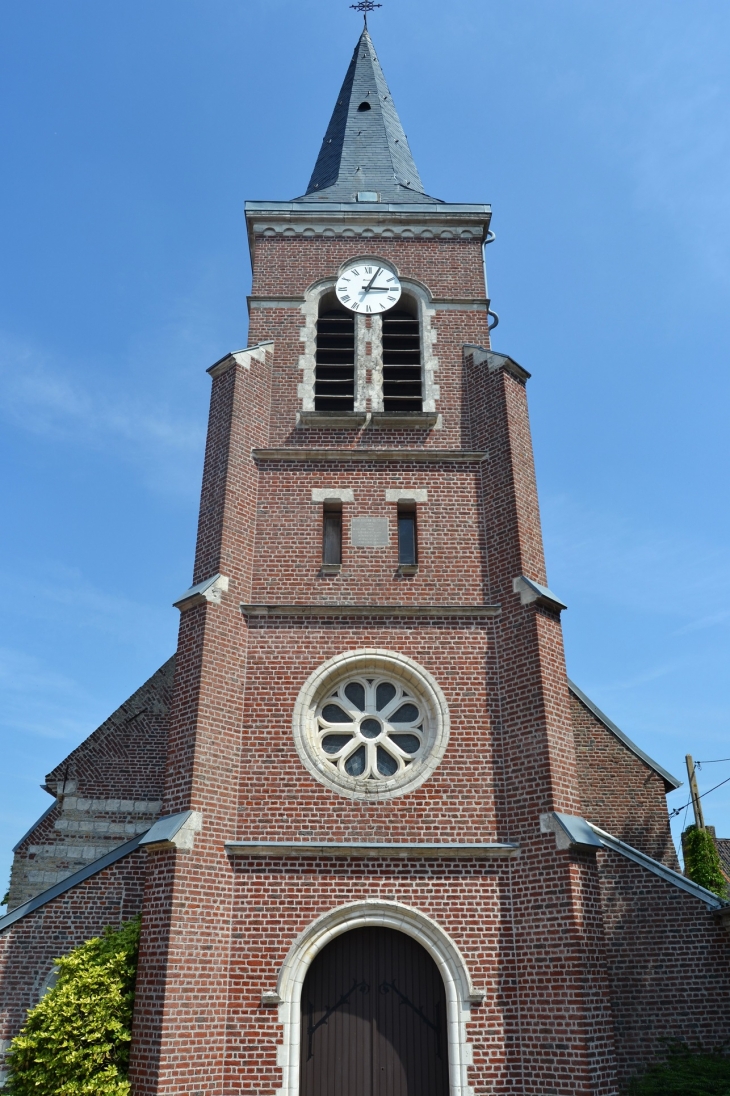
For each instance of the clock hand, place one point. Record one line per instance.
(367, 287)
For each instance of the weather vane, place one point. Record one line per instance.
(365, 6)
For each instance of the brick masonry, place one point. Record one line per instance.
(618, 791)
(563, 943)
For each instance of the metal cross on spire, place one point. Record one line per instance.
(365, 6)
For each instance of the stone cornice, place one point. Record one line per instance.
(417, 456)
(323, 609)
(356, 219)
(429, 851)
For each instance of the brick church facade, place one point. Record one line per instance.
(379, 842)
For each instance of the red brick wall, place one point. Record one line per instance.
(619, 792)
(288, 553)
(287, 265)
(669, 964)
(125, 757)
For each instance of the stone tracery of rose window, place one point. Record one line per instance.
(370, 728)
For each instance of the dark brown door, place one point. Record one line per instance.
(374, 1019)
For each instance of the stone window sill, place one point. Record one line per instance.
(408, 569)
(330, 568)
(380, 420)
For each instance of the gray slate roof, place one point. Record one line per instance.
(365, 150)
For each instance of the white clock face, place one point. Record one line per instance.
(367, 288)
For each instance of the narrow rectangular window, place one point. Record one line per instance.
(332, 536)
(407, 541)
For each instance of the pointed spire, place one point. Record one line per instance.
(365, 149)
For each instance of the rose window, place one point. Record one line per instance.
(371, 724)
(371, 728)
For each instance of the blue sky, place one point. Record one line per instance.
(132, 133)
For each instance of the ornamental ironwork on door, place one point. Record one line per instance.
(374, 1019)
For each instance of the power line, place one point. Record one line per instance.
(678, 810)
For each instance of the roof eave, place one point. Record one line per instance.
(367, 214)
(671, 783)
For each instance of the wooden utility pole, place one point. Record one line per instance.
(694, 792)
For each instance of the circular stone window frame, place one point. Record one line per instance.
(370, 661)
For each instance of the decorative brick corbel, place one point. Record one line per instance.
(208, 590)
(532, 593)
(570, 831)
(175, 831)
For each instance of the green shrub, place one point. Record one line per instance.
(75, 1042)
(687, 1071)
(702, 861)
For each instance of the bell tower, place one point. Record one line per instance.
(356, 888)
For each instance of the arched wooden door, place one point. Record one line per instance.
(374, 1019)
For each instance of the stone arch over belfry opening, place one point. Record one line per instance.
(459, 992)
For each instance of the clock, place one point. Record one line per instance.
(367, 288)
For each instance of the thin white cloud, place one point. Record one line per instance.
(37, 700)
(45, 397)
(656, 571)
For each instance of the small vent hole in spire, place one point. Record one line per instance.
(364, 106)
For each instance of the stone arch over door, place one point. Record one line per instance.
(459, 992)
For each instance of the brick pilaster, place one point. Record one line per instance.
(180, 1016)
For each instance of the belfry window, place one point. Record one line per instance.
(334, 378)
(401, 362)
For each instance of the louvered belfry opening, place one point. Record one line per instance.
(374, 1019)
(334, 378)
(402, 391)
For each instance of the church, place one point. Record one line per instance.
(380, 843)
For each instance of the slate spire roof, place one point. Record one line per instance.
(365, 149)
